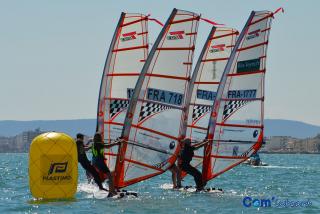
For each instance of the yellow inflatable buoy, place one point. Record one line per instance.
(53, 166)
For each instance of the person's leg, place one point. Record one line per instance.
(89, 168)
(179, 184)
(176, 176)
(111, 183)
(173, 176)
(105, 169)
(196, 175)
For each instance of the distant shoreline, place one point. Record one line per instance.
(304, 153)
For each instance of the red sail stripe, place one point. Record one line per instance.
(247, 73)
(142, 33)
(143, 164)
(123, 74)
(113, 123)
(133, 22)
(253, 46)
(239, 125)
(214, 60)
(111, 154)
(155, 132)
(186, 20)
(131, 48)
(202, 82)
(242, 99)
(226, 169)
(176, 49)
(135, 180)
(198, 127)
(221, 36)
(269, 28)
(196, 104)
(190, 34)
(259, 20)
(168, 76)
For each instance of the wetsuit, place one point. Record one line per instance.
(186, 156)
(85, 163)
(99, 162)
(98, 157)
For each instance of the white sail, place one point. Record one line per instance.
(127, 54)
(236, 124)
(153, 121)
(204, 84)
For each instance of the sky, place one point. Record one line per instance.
(52, 53)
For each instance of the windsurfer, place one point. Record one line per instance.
(186, 156)
(99, 160)
(255, 159)
(85, 163)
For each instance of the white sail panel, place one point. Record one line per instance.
(127, 54)
(236, 126)
(204, 84)
(153, 122)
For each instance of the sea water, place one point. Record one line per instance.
(291, 183)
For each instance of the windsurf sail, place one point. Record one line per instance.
(127, 54)
(236, 122)
(204, 84)
(153, 121)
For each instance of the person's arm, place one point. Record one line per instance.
(86, 148)
(88, 145)
(199, 145)
(109, 145)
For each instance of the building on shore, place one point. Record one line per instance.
(287, 144)
(20, 142)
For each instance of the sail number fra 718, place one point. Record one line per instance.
(163, 96)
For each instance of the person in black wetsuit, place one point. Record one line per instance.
(186, 156)
(85, 163)
(98, 159)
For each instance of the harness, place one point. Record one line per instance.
(95, 152)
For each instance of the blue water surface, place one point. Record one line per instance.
(293, 177)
